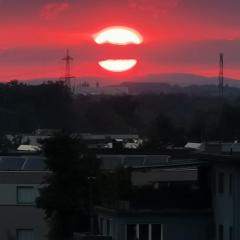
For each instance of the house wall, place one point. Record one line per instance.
(22, 217)
(17, 216)
(227, 203)
(10, 193)
(174, 226)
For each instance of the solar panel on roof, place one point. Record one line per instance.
(184, 161)
(11, 163)
(134, 161)
(156, 160)
(34, 164)
(111, 162)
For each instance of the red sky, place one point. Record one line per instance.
(184, 36)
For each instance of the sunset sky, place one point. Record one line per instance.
(180, 36)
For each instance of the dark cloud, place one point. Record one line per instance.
(154, 8)
(53, 10)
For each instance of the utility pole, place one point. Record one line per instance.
(68, 76)
(221, 77)
(221, 97)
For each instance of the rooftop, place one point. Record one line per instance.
(22, 163)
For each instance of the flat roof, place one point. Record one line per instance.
(154, 212)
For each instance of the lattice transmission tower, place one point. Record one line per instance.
(68, 76)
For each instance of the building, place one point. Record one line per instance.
(20, 179)
(171, 200)
(109, 141)
(225, 148)
(225, 172)
(155, 225)
(104, 90)
(224, 160)
(195, 196)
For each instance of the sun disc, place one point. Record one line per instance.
(119, 65)
(118, 36)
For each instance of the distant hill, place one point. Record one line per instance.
(200, 90)
(152, 83)
(184, 79)
(182, 83)
(91, 80)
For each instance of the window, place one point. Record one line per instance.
(230, 184)
(108, 227)
(157, 232)
(25, 195)
(144, 232)
(214, 182)
(220, 232)
(230, 233)
(131, 232)
(101, 226)
(24, 234)
(221, 182)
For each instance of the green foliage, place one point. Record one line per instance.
(221, 122)
(169, 118)
(24, 108)
(6, 144)
(164, 132)
(65, 198)
(114, 187)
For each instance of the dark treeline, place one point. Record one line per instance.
(24, 108)
(162, 117)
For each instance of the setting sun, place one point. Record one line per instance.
(119, 65)
(119, 36)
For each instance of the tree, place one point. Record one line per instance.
(115, 186)
(65, 198)
(6, 144)
(164, 131)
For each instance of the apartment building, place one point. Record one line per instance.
(20, 180)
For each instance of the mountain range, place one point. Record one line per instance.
(180, 79)
(184, 79)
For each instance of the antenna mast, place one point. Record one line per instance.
(221, 77)
(221, 97)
